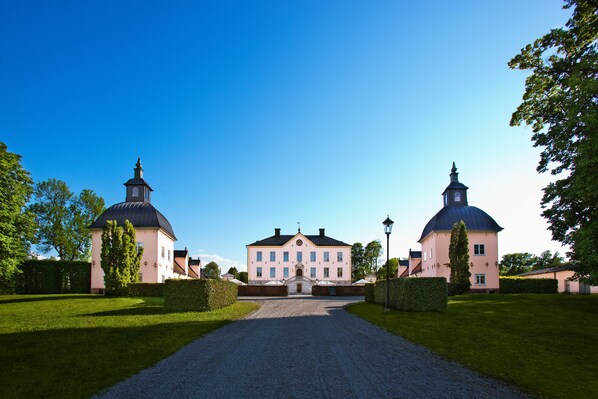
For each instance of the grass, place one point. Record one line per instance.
(545, 344)
(72, 346)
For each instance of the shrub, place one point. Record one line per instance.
(370, 293)
(54, 277)
(453, 289)
(520, 285)
(146, 289)
(340, 290)
(414, 294)
(198, 295)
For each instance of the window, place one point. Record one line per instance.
(163, 278)
(339, 256)
(445, 199)
(272, 272)
(299, 256)
(326, 272)
(139, 246)
(169, 254)
(272, 256)
(425, 255)
(430, 253)
(480, 279)
(312, 272)
(285, 256)
(457, 197)
(141, 277)
(259, 256)
(147, 194)
(339, 272)
(285, 272)
(326, 257)
(312, 256)
(258, 272)
(479, 249)
(135, 192)
(163, 251)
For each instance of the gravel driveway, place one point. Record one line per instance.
(306, 347)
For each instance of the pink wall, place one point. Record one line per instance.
(562, 277)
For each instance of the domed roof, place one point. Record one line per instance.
(140, 214)
(475, 220)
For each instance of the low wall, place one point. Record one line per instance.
(263, 290)
(341, 290)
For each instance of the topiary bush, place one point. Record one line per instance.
(54, 277)
(370, 293)
(520, 285)
(146, 289)
(414, 294)
(198, 295)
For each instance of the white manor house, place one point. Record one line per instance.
(299, 261)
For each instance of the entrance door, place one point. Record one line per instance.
(299, 286)
(299, 272)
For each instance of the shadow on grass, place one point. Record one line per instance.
(48, 297)
(143, 310)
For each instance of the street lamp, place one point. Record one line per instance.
(387, 230)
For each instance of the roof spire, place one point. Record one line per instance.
(454, 175)
(298, 227)
(138, 169)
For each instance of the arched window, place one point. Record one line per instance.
(457, 197)
(135, 192)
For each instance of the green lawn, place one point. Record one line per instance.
(545, 344)
(72, 346)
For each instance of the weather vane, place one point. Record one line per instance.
(299, 227)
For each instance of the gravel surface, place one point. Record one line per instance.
(306, 347)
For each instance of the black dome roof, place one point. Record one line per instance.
(474, 218)
(140, 214)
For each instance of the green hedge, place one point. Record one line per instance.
(54, 277)
(520, 285)
(369, 293)
(146, 289)
(198, 295)
(414, 294)
(453, 289)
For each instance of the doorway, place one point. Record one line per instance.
(299, 288)
(299, 272)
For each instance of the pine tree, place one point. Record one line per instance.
(459, 257)
(120, 257)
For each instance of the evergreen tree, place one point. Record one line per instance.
(459, 257)
(120, 257)
(358, 263)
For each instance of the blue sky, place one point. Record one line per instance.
(254, 115)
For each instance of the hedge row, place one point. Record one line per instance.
(520, 285)
(369, 293)
(54, 277)
(263, 290)
(341, 290)
(198, 295)
(146, 289)
(414, 294)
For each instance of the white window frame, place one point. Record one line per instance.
(312, 272)
(457, 196)
(258, 256)
(479, 249)
(339, 256)
(339, 272)
(285, 272)
(480, 279)
(258, 272)
(272, 272)
(299, 256)
(326, 272)
(272, 256)
(312, 256)
(326, 256)
(285, 256)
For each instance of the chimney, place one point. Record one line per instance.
(276, 232)
(321, 232)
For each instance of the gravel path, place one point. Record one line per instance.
(306, 347)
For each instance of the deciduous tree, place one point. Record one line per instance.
(394, 267)
(516, 263)
(243, 277)
(212, 270)
(358, 265)
(459, 257)
(120, 257)
(560, 104)
(547, 260)
(233, 270)
(372, 254)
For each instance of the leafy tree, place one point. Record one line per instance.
(17, 226)
(394, 268)
(459, 257)
(233, 270)
(243, 277)
(120, 257)
(516, 263)
(63, 219)
(547, 260)
(373, 252)
(560, 104)
(358, 264)
(212, 270)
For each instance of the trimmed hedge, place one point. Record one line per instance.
(198, 295)
(370, 293)
(340, 290)
(414, 294)
(54, 277)
(263, 290)
(453, 289)
(146, 289)
(520, 285)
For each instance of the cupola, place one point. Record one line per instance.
(455, 194)
(137, 188)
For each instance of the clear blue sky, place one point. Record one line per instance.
(253, 115)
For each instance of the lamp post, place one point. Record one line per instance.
(387, 230)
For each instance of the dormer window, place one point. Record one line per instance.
(135, 192)
(457, 197)
(445, 199)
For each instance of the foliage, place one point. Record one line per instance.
(212, 270)
(520, 285)
(459, 257)
(244, 277)
(17, 225)
(560, 104)
(547, 260)
(526, 340)
(414, 294)
(516, 263)
(233, 270)
(394, 268)
(54, 277)
(52, 344)
(359, 266)
(372, 253)
(63, 219)
(453, 289)
(120, 257)
(198, 295)
(370, 290)
(146, 289)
